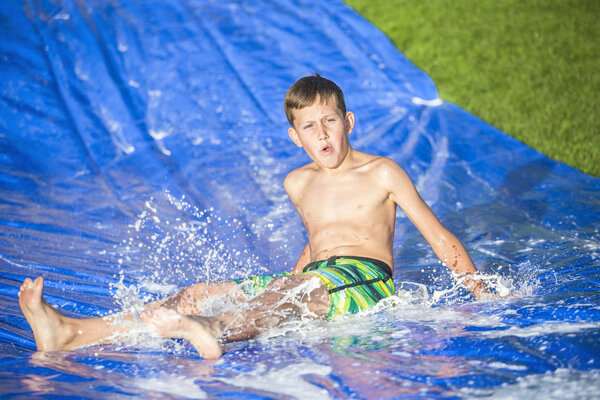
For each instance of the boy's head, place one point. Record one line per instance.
(304, 92)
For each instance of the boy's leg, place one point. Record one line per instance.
(286, 298)
(189, 301)
(53, 331)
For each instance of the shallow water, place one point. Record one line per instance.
(431, 340)
(471, 350)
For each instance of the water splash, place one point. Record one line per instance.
(174, 244)
(171, 245)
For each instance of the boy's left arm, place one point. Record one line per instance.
(445, 245)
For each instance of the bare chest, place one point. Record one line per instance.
(343, 200)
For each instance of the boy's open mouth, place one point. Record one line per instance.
(326, 149)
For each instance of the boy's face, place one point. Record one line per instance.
(322, 130)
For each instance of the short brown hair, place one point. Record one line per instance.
(304, 92)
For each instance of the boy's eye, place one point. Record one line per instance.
(308, 126)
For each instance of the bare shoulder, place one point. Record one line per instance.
(297, 179)
(392, 178)
(384, 168)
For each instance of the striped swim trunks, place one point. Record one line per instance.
(354, 283)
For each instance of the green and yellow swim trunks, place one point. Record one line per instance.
(354, 283)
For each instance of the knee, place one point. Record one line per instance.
(310, 291)
(318, 299)
(280, 282)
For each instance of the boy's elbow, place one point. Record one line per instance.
(443, 237)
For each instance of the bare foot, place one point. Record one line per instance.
(168, 323)
(49, 331)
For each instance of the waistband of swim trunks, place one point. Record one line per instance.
(332, 261)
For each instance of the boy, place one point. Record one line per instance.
(347, 200)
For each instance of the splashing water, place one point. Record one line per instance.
(170, 250)
(430, 339)
(171, 245)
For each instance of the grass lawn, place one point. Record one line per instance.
(530, 68)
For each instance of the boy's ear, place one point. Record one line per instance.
(294, 136)
(349, 121)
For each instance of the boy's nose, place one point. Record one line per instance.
(322, 132)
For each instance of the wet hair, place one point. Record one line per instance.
(304, 92)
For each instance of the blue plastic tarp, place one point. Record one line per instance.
(143, 147)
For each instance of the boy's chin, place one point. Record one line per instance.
(328, 164)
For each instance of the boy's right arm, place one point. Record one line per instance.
(293, 186)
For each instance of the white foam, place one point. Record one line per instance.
(501, 365)
(428, 103)
(115, 128)
(62, 15)
(547, 328)
(493, 254)
(287, 380)
(445, 315)
(590, 245)
(173, 386)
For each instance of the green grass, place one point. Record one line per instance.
(530, 68)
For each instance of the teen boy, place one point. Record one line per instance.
(347, 200)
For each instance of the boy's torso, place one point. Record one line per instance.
(348, 212)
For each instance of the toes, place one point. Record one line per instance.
(146, 315)
(169, 314)
(151, 316)
(39, 281)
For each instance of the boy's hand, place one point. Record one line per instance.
(482, 292)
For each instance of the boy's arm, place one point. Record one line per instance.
(293, 184)
(444, 244)
(302, 261)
